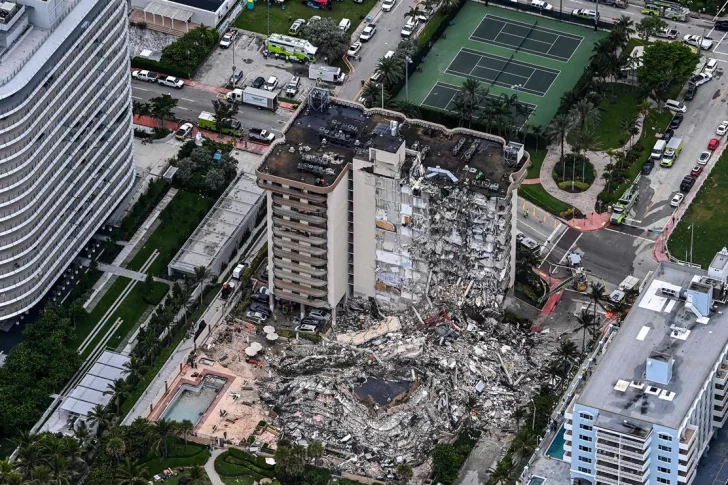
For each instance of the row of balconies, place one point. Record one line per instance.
(61, 121)
(612, 479)
(53, 234)
(70, 244)
(622, 471)
(82, 165)
(279, 222)
(78, 49)
(292, 192)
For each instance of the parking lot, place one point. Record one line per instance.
(247, 54)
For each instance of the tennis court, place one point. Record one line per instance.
(442, 97)
(502, 71)
(525, 37)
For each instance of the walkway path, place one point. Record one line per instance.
(210, 467)
(118, 270)
(584, 201)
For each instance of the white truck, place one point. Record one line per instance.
(261, 135)
(329, 74)
(658, 150)
(148, 76)
(259, 98)
(172, 82)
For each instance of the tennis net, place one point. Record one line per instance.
(526, 36)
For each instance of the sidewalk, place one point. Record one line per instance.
(210, 467)
(119, 271)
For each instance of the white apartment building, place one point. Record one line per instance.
(367, 203)
(648, 412)
(65, 137)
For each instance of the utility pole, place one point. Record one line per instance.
(596, 17)
(692, 231)
(268, 18)
(407, 62)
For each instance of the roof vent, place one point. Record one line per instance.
(679, 333)
(659, 368)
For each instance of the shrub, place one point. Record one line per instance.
(578, 165)
(638, 147)
(190, 50)
(574, 186)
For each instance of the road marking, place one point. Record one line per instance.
(188, 100)
(536, 230)
(572, 245)
(556, 243)
(552, 234)
(629, 235)
(142, 89)
(136, 97)
(182, 107)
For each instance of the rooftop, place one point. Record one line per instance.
(209, 5)
(349, 129)
(659, 327)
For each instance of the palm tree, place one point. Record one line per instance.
(119, 388)
(623, 29)
(566, 353)
(82, 434)
(134, 368)
(585, 113)
(132, 473)
(519, 413)
(196, 476)
(116, 448)
(163, 429)
(558, 128)
(202, 275)
(413, 12)
(392, 71)
(185, 428)
(407, 108)
(597, 293)
(101, 417)
(60, 470)
(30, 452)
(537, 133)
(586, 323)
(372, 94)
(628, 124)
(449, 5)
(6, 468)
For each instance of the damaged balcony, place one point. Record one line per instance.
(313, 251)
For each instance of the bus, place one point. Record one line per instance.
(291, 47)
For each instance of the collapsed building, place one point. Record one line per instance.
(367, 203)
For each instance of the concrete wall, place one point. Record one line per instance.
(338, 242)
(364, 228)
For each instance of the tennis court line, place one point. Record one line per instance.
(430, 93)
(531, 107)
(513, 61)
(543, 29)
(522, 49)
(532, 40)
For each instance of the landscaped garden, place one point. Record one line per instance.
(575, 173)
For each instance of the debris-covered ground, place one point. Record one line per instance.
(382, 391)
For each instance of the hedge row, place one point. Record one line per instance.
(227, 465)
(160, 67)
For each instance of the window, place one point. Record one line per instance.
(585, 470)
(665, 437)
(662, 469)
(664, 448)
(585, 449)
(586, 416)
(585, 459)
(663, 480)
(585, 427)
(664, 458)
(586, 438)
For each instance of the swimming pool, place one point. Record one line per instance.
(556, 449)
(191, 401)
(536, 481)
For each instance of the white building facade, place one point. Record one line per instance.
(65, 137)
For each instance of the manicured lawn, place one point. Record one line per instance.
(237, 480)
(537, 156)
(204, 481)
(624, 105)
(135, 305)
(711, 229)
(85, 325)
(537, 194)
(256, 20)
(178, 220)
(178, 455)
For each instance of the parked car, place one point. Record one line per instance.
(585, 13)
(259, 297)
(147, 76)
(271, 83)
(305, 328)
(676, 121)
(388, 5)
(667, 33)
(258, 82)
(697, 170)
(541, 4)
(183, 131)
(172, 82)
(687, 183)
(722, 128)
(647, 167)
(677, 200)
(667, 134)
(691, 92)
(701, 78)
(256, 317)
(354, 49)
(227, 39)
(320, 315)
(721, 25)
(713, 144)
(704, 158)
(698, 41)
(296, 27)
(368, 33)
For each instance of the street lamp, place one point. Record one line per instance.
(407, 62)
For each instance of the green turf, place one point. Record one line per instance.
(623, 105)
(534, 170)
(457, 36)
(178, 220)
(537, 194)
(86, 325)
(711, 229)
(237, 480)
(256, 20)
(178, 455)
(136, 303)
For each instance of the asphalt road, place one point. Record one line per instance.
(191, 102)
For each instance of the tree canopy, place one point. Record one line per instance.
(188, 51)
(331, 41)
(665, 65)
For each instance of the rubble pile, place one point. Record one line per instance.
(467, 246)
(390, 399)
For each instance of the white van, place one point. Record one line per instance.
(675, 106)
(345, 24)
(292, 87)
(388, 54)
(711, 66)
(658, 150)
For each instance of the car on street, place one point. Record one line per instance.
(677, 200)
(541, 4)
(407, 31)
(696, 171)
(354, 49)
(667, 134)
(258, 82)
(183, 131)
(676, 121)
(698, 41)
(691, 92)
(172, 82)
(721, 25)
(722, 128)
(271, 83)
(704, 158)
(368, 33)
(585, 13)
(388, 5)
(647, 167)
(713, 144)
(667, 33)
(147, 76)
(227, 39)
(687, 183)
(702, 78)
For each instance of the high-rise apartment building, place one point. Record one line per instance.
(648, 412)
(367, 203)
(65, 137)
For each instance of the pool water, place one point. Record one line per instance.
(556, 450)
(191, 402)
(536, 481)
